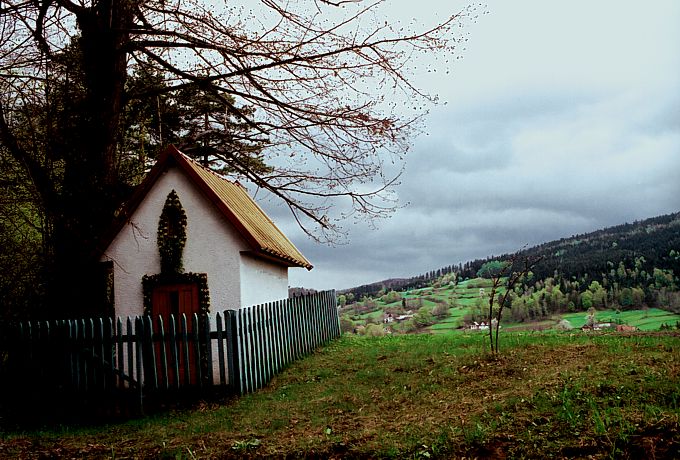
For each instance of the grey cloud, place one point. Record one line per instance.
(524, 153)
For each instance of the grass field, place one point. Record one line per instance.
(451, 322)
(645, 320)
(421, 396)
(465, 295)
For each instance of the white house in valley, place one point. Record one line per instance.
(220, 250)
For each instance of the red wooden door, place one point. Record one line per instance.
(175, 300)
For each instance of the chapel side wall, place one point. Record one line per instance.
(213, 246)
(262, 281)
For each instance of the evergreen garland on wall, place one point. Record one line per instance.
(172, 234)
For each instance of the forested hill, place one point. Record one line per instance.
(650, 243)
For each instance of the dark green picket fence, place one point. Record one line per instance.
(268, 337)
(235, 350)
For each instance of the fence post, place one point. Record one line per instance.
(297, 328)
(243, 350)
(264, 344)
(256, 364)
(279, 336)
(220, 348)
(232, 356)
(238, 351)
(139, 333)
(85, 369)
(261, 345)
(134, 377)
(149, 354)
(306, 308)
(197, 348)
(333, 302)
(163, 355)
(271, 339)
(74, 334)
(325, 318)
(185, 349)
(286, 318)
(304, 316)
(120, 353)
(208, 348)
(174, 354)
(317, 320)
(252, 355)
(99, 344)
(110, 354)
(262, 332)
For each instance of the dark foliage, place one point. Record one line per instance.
(580, 258)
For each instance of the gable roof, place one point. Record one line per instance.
(232, 200)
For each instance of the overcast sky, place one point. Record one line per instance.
(562, 118)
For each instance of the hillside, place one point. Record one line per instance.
(595, 253)
(448, 307)
(629, 273)
(585, 256)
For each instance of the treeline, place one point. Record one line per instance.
(624, 287)
(401, 284)
(590, 255)
(634, 265)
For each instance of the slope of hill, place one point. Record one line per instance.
(653, 243)
(597, 252)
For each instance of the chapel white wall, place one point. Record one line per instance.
(213, 246)
(262, 281)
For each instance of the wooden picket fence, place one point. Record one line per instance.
(235, 350)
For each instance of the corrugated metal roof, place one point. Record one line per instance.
(256, 227)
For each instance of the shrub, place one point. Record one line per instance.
(408, 326)
(391, 297)
(423, 318)
(372, 320)
(375, 330)
(413, 303)
(346, 325)
(564, 325)
(441, 311)
(370, 303)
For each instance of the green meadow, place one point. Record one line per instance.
(557, 395)
(464, 296)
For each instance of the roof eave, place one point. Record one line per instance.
(263, 253)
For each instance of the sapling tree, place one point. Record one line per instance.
(505, 274)
(590, 318)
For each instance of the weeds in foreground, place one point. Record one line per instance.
(421, 396)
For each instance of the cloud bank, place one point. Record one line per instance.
(561, 120)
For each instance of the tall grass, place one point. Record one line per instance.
(422, 396)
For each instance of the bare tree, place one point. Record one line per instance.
(324, 84)
(504, 274)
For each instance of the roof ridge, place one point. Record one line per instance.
(197, 163)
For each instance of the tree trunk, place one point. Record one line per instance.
(90, 191)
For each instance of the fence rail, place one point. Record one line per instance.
(237, 350)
